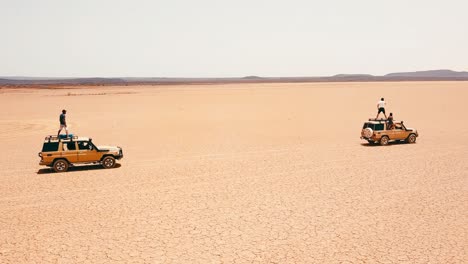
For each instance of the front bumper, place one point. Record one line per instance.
(120, 156)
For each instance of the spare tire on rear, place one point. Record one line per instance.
(368, 132)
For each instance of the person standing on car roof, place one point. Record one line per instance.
(381, 107)
(63, 123)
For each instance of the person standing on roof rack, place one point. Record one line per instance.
(63, 123)
(381, 108)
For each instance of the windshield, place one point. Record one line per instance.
(400, 126)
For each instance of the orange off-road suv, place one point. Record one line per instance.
(61, 153)
(379, 131)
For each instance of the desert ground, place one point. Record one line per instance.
(238, 173)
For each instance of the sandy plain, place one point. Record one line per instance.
(251, 173)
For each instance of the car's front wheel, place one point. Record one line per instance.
(411, 138)
(60, 165)
(108, 162)
(384, 141)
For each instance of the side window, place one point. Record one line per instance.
(379, 126)
(50, 146)
(71, 145)
(84, 145)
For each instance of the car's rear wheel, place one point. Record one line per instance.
(60, 165)
(108, 162)
(384, 141)
(411, 138)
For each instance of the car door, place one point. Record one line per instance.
(399, 131)
(69, 151)
(385, 131)
(87, 152)
(393, 132)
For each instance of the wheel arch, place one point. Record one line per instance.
(379, 136)
(408, 138)
(60, 158)
(107, 155)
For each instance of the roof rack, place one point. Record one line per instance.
(378, 119)
(61, 137)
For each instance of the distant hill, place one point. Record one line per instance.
(352, 76)
(435, 75)
(431, 74)
(55, 81)
(27, 78)
(252, 77)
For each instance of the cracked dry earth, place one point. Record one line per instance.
(251, 173)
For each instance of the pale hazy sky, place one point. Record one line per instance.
(216, 38)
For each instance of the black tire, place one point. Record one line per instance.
(384, 140)
(371, 142)
(60, 165)
(108, 162)
(411, 139)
